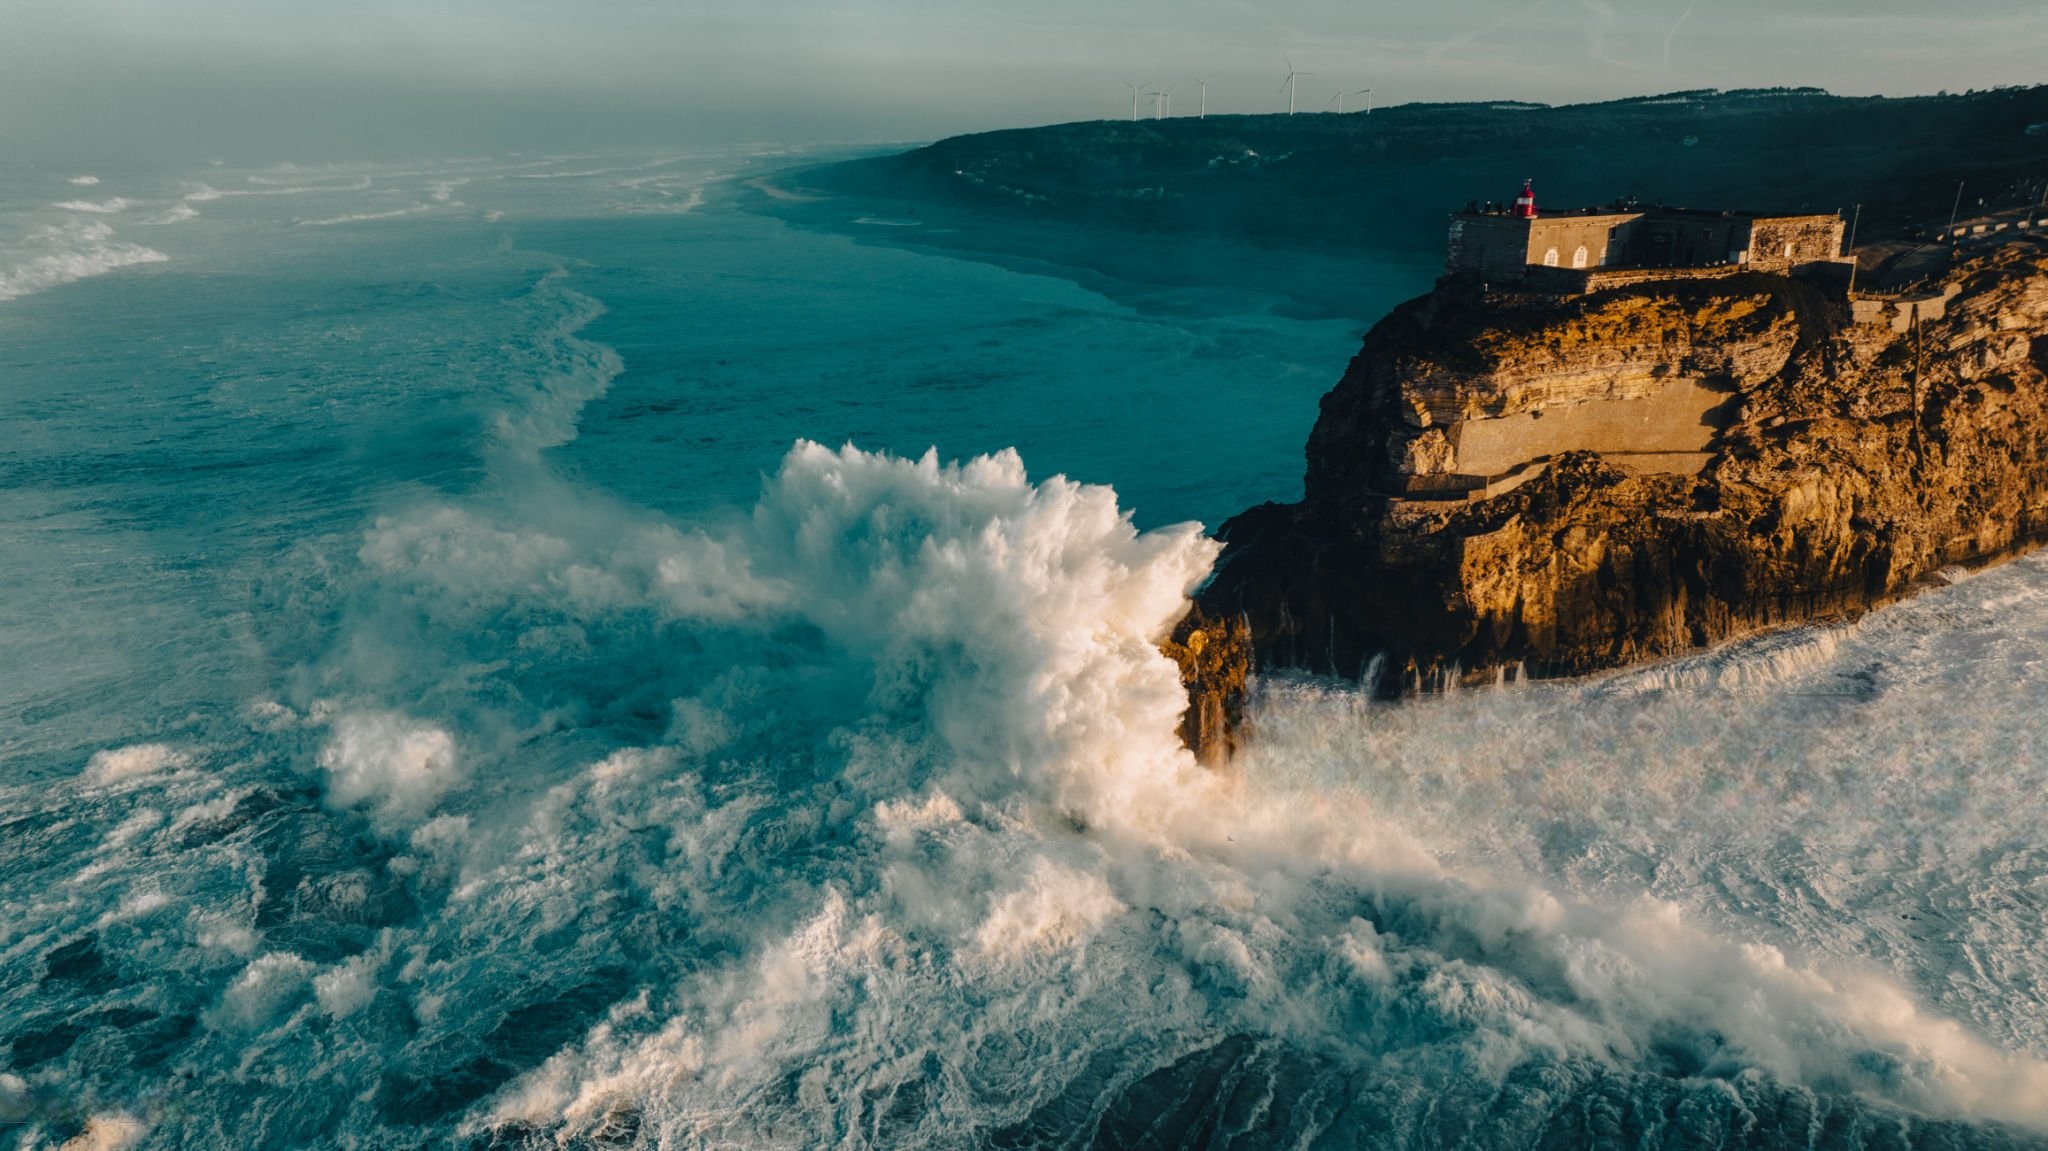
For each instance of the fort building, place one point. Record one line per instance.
(1506, 243)
(1472, 437)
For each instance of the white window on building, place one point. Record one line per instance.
(1788, 251)
(1579, 257)
(1550, 258)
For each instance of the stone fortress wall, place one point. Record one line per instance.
(1642, 411)
(1509, 246)
(1488, 245)
(1583, 241)
(1781, 243)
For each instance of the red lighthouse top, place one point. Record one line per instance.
(1525, 204)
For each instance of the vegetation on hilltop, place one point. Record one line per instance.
(1386, 180)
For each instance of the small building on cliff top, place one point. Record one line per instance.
(1517, 244)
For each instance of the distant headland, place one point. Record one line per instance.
(1299, 207)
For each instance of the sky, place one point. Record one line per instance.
(334, 79)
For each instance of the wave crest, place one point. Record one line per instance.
(98, 207)
(68, 252)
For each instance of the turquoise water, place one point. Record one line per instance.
(458, 685)
(289, 371)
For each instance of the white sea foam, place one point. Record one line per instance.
(1017, 622)
(1056, 908)
(396, 766)
(265, 987)
(922, 792)
(85, 181)
(580, 174)
(365, 217)
(541, 411)
(175, 214)
(203, 193)
(349, 986)
(1771, 662)
(98, 207)
(61, 254)
(122, 763)
(289, 175)
(108, 1131)
(669, 184)
(291, 178)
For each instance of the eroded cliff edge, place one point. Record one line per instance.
(1504, 485)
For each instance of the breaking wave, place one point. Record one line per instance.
(581, 174)
(904, 854)
(60, 254)
(1774, 662)
(98, 207)
(364, 217)
(200, 193)
(175, 214)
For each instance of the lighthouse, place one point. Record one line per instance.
(1525, 204)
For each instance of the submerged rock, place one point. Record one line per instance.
(1514, 484)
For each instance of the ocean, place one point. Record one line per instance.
(521, 651)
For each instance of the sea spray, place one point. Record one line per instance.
(913, 860)
(1007, 819)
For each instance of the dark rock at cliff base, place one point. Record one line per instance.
(1510, 485)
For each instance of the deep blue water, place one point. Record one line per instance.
(458, 686)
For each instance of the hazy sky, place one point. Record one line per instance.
(319, 79)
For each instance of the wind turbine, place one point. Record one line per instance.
(1287, 85)
(1205, 98)
(1162, 103)
(1367, 93)
(1135, 87)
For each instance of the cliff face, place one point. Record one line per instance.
(1503, 486)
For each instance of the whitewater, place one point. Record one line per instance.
(522, 653)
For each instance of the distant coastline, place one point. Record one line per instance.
(1150, 271)
(1342, 216)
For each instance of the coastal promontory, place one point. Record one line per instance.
(1525, 480)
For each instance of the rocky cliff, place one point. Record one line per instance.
(1508, 485)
